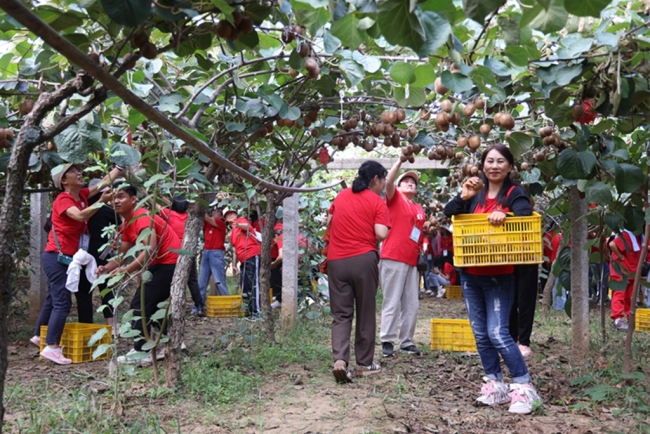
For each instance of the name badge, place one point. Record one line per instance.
(84, 241)
(444, 253)
(415, 234)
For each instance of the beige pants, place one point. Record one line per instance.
(399, 282)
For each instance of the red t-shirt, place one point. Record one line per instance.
(246, 246)
(352, 230)
(68, 230)
(277, 242)
(490, 206)
(214, 236)
(630, 259)
(552, 243)
(404, 217)
(449, 270)
(446, 244)
(167, 238)
(175, 220)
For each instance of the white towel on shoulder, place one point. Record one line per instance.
(80, 259)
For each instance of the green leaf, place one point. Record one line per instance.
(78, 140)
(629, 178)
(347, 30)
(128, 13)
(124, 155)
(424, 75)
(599, 193)
(287, 112)
(403, 73)
(477, 10)
(518, 55)
(550, 20)
(498, 67)
(576, 165)
(96, 337)
(398, 25)
(371, 64)
(352, 71)
(101, 350)
(586, 8)
(509, 30)
(436, 29)
(519, 143)
(416, 96)
(456, 82)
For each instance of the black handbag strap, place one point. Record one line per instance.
(56, 239)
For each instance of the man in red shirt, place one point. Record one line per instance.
(398, 272)
(244, 241)
(158, 258)
(213, 260)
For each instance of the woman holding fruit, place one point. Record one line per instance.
(489, 291)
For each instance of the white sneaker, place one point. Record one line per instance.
(523, 398)
(276, 304)
(55, 355)
(36, 340)
(493, 392)
(134, 357)
(429, 292)
(441, 292)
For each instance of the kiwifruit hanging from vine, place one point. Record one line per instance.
(26, 106)
(425, 115)
(469, 110)
(94, 56)
(224, 29)
(474, 142)
(314, 132)
(413, 131)
(303, 49)
(149, 51)
(577, 111)
(454, 118)
(507, 121)
(293, 73)
(245, 25)
(497, 118)
(479, 103)
(129, 59)
(446, 106)
(287, 35)
(439, 87)
(485, 129)
(525, 166)
(401, 114)
(237, 17)
(313, 70)
(139, 39)
(234, 34)
(442, 119)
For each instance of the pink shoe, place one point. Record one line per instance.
(493, 393)
(55, 355)
(525, 350)
(36, 340)
(524, 398)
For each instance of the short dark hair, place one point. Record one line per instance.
(180, 204)
(128, 188)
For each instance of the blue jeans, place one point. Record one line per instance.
(489, 301)
(213, 263)
(57, 305)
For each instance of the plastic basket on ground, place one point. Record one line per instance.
(224, 306)
(477, 243)
(75, 341)
(642, 320)
(453, 292)
(452, 335)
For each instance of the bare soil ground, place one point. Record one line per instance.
(433, 393)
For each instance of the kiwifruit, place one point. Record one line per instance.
(412, 131)
(439, 87)
(139, 39)
(474, 171)
(392, 116)
(403, 158)
(458, 155)
(545, 131)
(303, 49)
(269, 127)
(478, 186)
(237, 17)
(149, 51)
(245, 165)
(26, 106)
(246, 25)
(446, 106)
(4, 144)
(3, 134)
(287, 35)
(293, 73)
(353, 123)
(94, 56)
(442, 118)
(507, 121)
(224, 29)
(479, 103)
(336, 141)
(314, 132)
(395, 138)
(403, 134)
(129, 60)
(474, 142)
(497, 118)
(384, 116)
(389, 129)
(556, 140)
(449, 151)
(462, 142)
(367, 145)
(425, 115)
(441, 150)
(485, 129)
(524, 166)
(297, 30)
(234, 34)
(380, 127)
(262, 132)
(411, 159)
(312, 68)
(540, 156)
(444, 127)
(578, 111)
(549, 140)
(312, 114)
(388, 142)
(400, 114)
(306, 122)
(469, 110)
(51, 146)
(10, 133)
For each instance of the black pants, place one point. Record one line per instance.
(84, 298)
(523, 306)
(193, 284)
(276, 282)
(156, 291)
(249, 281)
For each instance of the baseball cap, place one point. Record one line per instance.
(226, 211)
(411, 174)
(58, 172)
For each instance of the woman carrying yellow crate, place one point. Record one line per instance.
(489, 290)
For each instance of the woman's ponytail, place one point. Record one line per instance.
(368, 170)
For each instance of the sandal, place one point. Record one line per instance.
(374, 368)
(340, 372)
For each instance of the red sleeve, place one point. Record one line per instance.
(64, 202)
(137, 224)
(381, 213)
(164, 212)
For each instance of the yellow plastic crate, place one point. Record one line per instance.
(452, 335)
(453, 292)
(75, 341)
(224, 306)
(478, 244)
(642, 320)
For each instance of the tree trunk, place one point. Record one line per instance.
(179, 283)
(579, 275)
(548, 292)
(265, 265)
